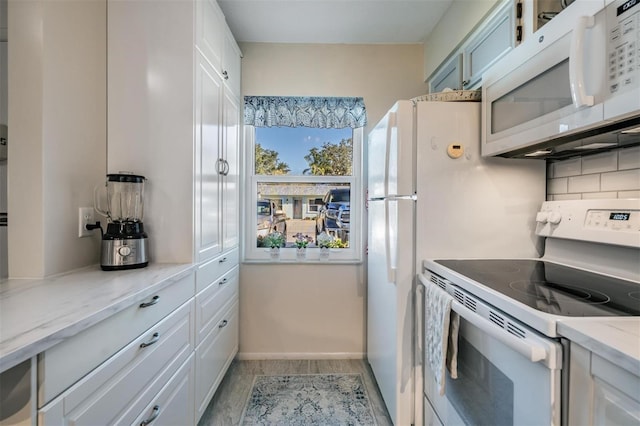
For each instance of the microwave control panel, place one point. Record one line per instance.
(623, 47)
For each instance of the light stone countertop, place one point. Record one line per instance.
(615, 339)
(36, 314)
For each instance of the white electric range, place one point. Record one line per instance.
(513, 362)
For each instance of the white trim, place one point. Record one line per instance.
(256, 356)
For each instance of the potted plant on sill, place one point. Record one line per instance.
(301, 242)
(274, 241)
(324, 241)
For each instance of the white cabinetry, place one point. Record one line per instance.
(498, 33)
(120, 389)
(601, 392)
(173, 89)
(216, 325)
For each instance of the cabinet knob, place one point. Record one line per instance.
(225, 74)
(223, 324)
(223, 282)
(465, 83)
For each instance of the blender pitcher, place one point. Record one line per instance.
(124, 245)
(125, 197)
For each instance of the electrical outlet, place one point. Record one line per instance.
(85, 216)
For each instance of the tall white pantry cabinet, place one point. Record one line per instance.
(174, 117)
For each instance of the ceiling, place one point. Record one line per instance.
(332, 21)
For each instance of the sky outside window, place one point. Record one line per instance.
(293, 143)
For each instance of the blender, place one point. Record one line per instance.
(124, 245)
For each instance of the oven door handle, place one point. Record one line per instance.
(530, 350)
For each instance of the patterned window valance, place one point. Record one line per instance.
(328, 113)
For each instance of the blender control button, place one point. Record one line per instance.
(124, 251)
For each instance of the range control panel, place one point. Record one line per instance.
(614, 221)
(623, 47)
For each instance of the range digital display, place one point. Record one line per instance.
(619, 216)
(626, 6)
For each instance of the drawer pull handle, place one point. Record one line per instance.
(154, 300)
(223, 282)
(223, 324)
(154, 414)
(156, 337)
(224, 259)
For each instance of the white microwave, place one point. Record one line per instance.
(573, 86)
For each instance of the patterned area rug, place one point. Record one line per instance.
(309, 399)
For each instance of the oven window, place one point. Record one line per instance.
(546, 93)
(482, 394)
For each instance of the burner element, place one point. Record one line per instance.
(571, 294)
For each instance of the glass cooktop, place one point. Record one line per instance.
(553, 288)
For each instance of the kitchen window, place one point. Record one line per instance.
(302, 182)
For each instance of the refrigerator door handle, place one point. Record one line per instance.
(391, 243)
(391, 122)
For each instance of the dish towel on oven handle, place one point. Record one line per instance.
(441, 330)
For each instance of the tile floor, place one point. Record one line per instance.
(227, 405)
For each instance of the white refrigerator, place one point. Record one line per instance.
(431, 195)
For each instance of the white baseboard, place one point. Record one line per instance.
(255, 356)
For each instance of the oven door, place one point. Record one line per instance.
(504, 377)
(550, 86)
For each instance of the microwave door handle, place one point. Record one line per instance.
(576, 63)
(531, 350)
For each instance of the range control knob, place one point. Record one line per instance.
(542, 217)
(554, 218)
(124, 251)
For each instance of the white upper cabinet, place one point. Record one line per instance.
(497, 34)
(210, 32)
(448, 76)
(231, 64)
(217, 44)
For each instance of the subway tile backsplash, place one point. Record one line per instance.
(613, 174)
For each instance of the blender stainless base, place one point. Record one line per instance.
(126, 253)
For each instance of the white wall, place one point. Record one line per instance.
(459, 20)
(312, 311)
(57, 131)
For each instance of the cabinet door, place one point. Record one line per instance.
(448, 76)
(213, 357)
(208, 159)
(231, 67)
(210, 25)
(174, 404)
(494, 40)
(231, 181)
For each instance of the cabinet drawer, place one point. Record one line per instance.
(60, 366)
(210, 271)
(214, 356)
(211, 301)
(174, 404)
(119, 389)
